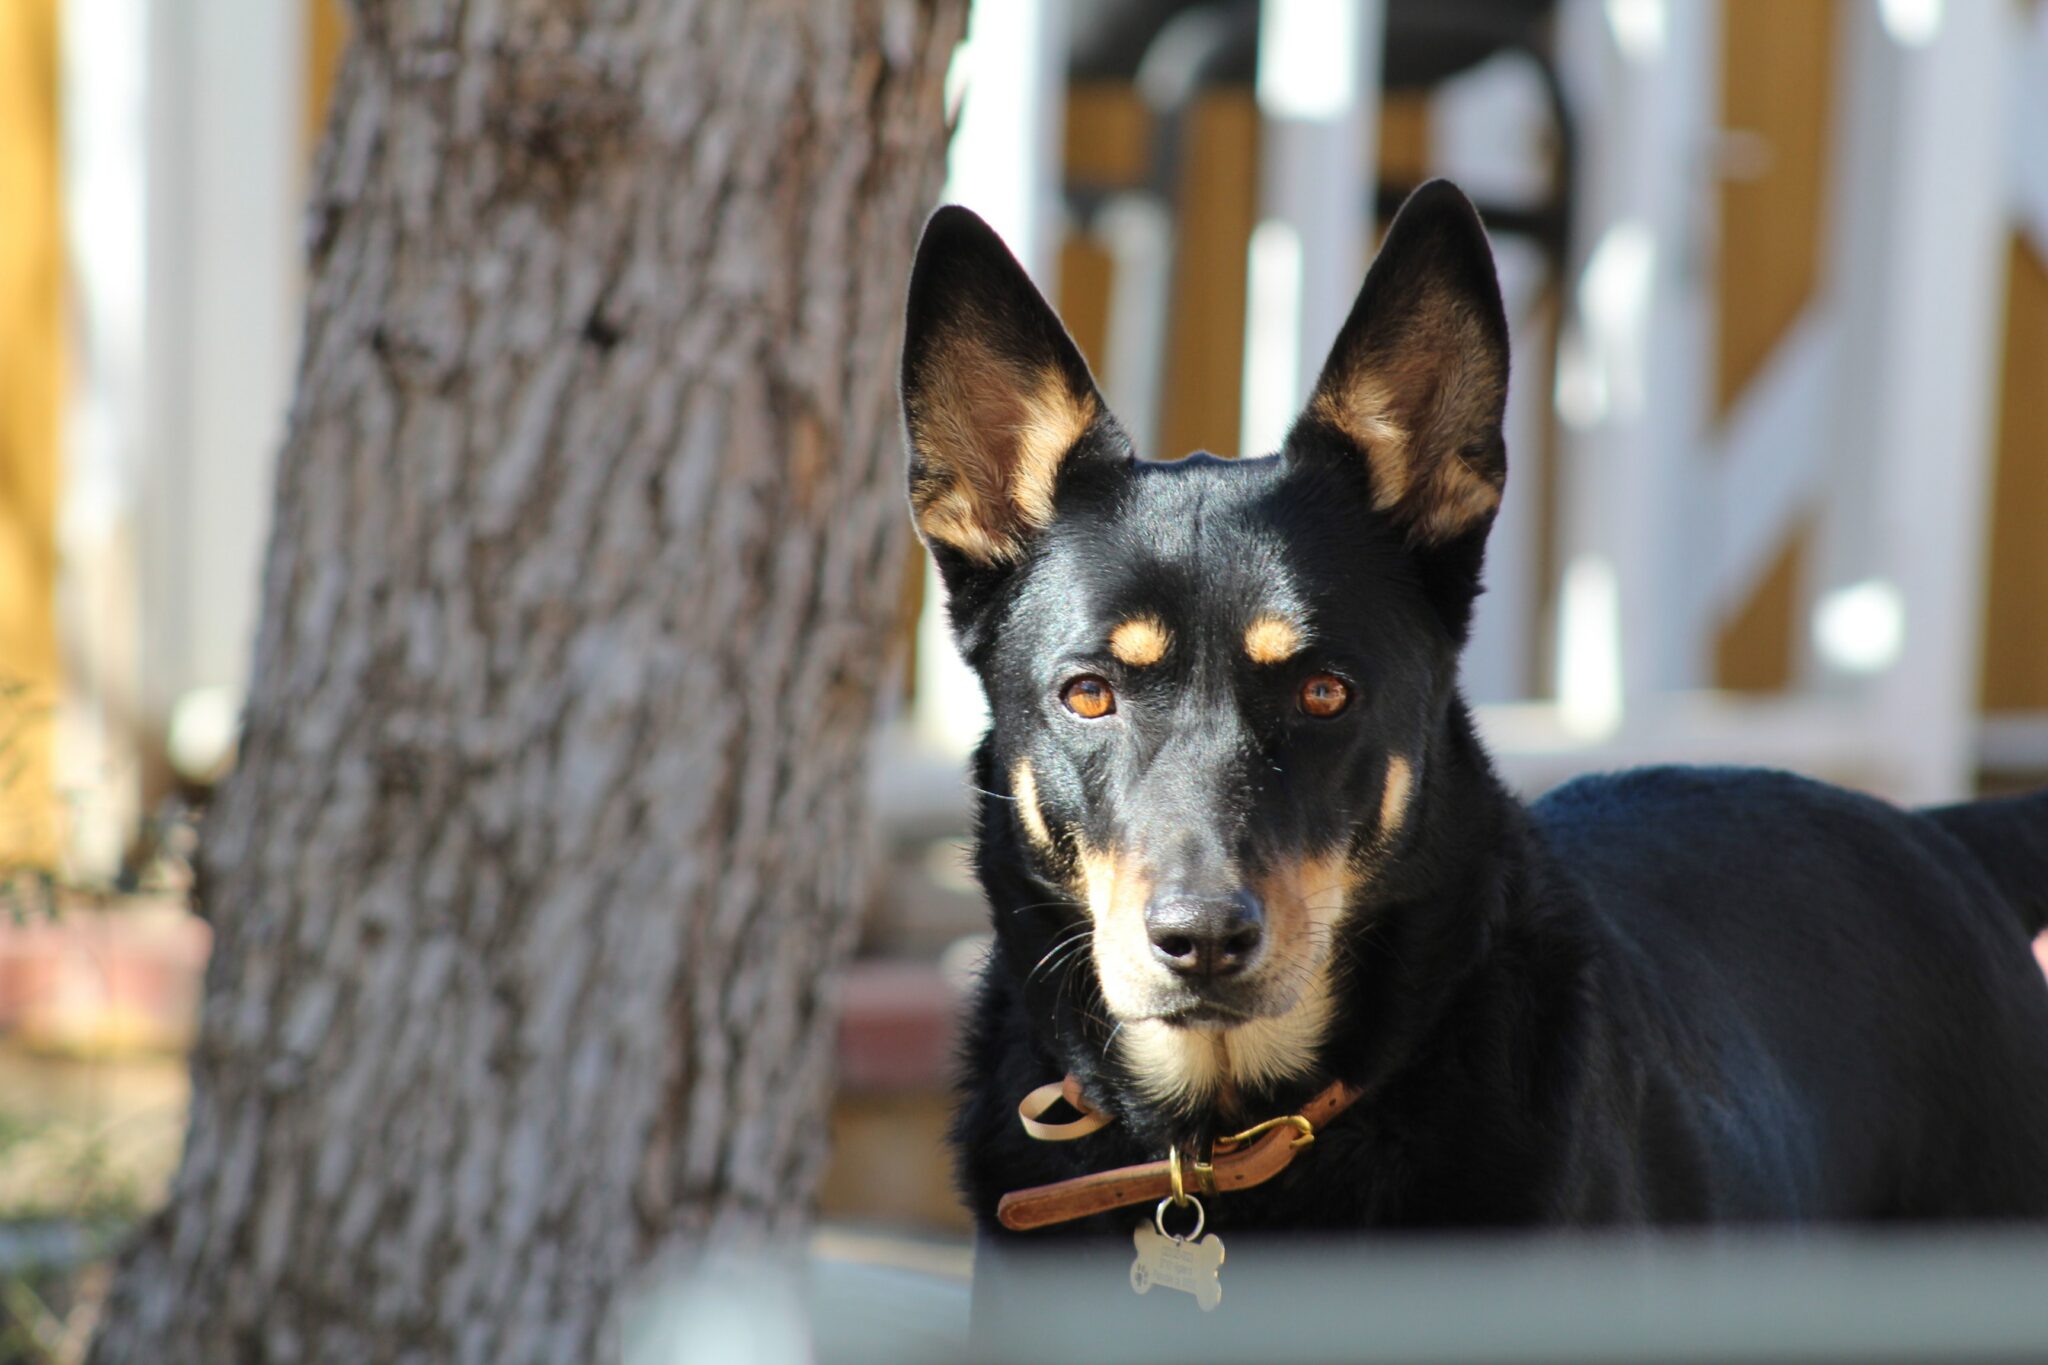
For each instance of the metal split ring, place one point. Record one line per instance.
(1201, 1220)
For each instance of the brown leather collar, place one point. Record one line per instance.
(1240, 1162)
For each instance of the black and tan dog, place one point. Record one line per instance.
(1245, 852)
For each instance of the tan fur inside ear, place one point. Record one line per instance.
(988, 436)
(1413, 404)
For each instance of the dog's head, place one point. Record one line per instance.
(1211, 680)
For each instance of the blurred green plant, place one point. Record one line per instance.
(66, 1197)
(24, 890)
(65, 1200)
(52, 1169)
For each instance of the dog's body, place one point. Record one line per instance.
(1241, 840)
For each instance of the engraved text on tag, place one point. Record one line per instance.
(1191, 1265)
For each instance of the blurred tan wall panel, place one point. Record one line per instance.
(31, 352)
(1754, 650)
(1777, 86)
(1108, 133)
(2016, 605)
(326, 36)
(889, 1164)
(1404, 138)
(1219, 179)
(1086, 276)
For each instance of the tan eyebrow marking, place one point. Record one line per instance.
(1140, 641)
(1024, 786)
(1271, 640)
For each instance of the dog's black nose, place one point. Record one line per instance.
(1205, 936)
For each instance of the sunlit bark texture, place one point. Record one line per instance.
(547, 832)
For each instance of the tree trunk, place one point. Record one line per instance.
(547, 834)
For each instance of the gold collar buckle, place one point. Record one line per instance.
(1305, 1132)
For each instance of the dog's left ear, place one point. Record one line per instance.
(1416, 387)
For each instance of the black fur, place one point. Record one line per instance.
(1669, 996)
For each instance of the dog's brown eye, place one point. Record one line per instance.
(1324, 696)
(1088, 697)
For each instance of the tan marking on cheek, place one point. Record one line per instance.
(1271, 640)
(1024, 787)
(1305, 901)
(1098, 878)
(1140, 642)
(1116, 890)
(1394, 801)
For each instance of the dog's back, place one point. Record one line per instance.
(2008, 837)
(1851, 980)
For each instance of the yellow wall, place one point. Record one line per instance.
(1777, 84)
(326, 36)
(31, 350)
(2016, 605)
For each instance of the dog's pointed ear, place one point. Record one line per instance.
(999, 405)
(1416, 384)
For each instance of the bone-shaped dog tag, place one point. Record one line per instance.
(1191, 1264)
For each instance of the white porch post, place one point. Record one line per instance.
(105, 91)
(2029, 124)
(1632, 385)
(1004, 163)
(1319, 100)
(1918, 258)
(182, 167)
(220, 296)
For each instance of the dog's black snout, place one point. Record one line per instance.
(1206, 936)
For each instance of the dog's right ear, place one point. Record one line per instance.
(998, 402)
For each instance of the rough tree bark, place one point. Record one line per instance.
(547, 833)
